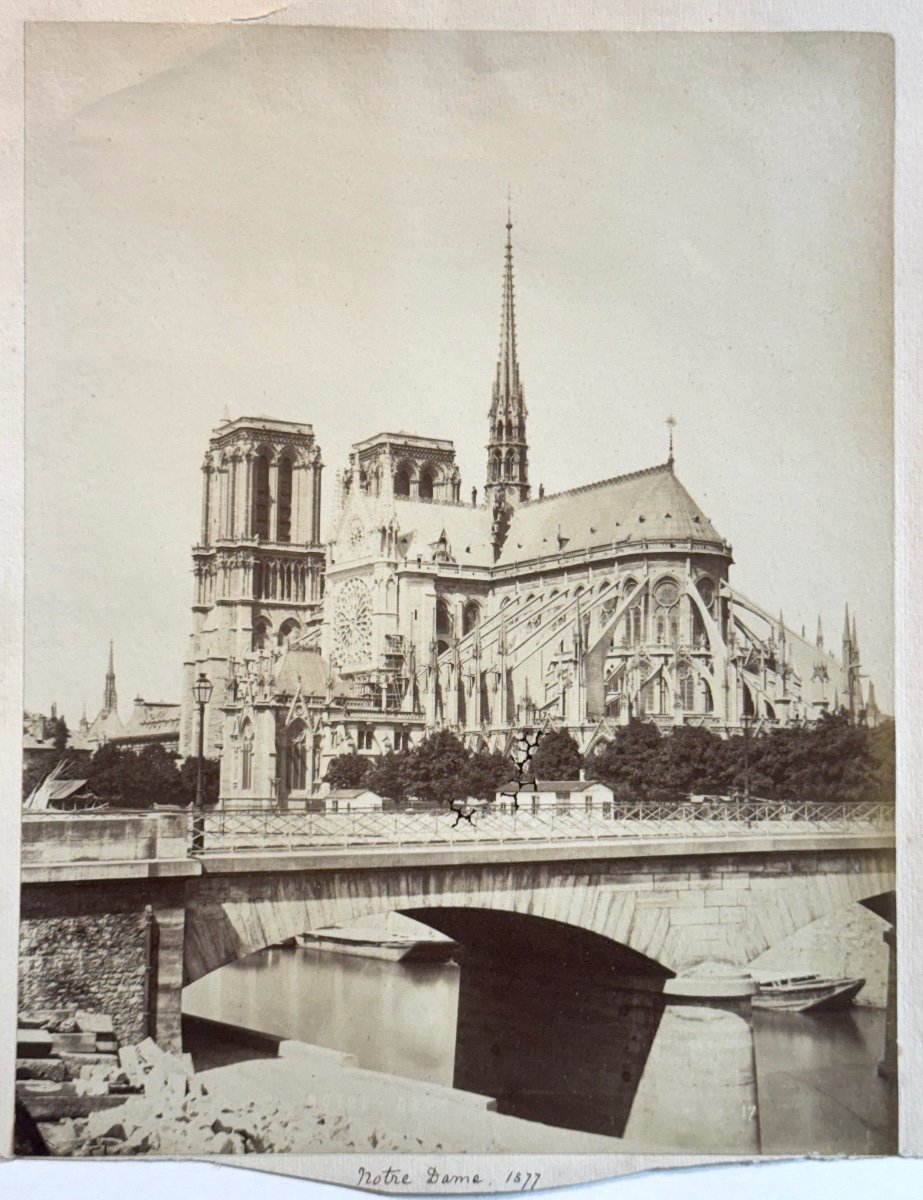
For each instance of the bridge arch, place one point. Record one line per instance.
(676, 911)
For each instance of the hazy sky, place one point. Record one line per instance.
(309, 225)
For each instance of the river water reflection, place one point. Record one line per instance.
(565, 1053)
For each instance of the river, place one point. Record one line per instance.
(565, 1053)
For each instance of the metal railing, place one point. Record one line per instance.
(267, 828)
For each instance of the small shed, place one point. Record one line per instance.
(561, 795)
(352, 800)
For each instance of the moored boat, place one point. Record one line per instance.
(383, 944)
(807, 993)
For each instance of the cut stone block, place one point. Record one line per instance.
(41, 1068)
(88, 1022)
(33, 1043)
(79, 1043)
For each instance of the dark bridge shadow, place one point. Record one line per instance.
(554, 1021)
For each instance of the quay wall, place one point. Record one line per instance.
(111, 947)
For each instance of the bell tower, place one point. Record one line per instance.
(507, 448)
(259, 562)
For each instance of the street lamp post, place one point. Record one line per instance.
(745, 721)
(202, 691)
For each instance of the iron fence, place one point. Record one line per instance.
(272, 828)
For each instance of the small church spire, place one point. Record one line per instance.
(110, 697)
(671, 425)
(820, 633)
(507, 448)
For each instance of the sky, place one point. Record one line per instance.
(308, 224)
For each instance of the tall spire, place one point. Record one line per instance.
(507, 448)
(110, 698)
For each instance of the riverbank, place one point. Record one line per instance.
(327, 1103)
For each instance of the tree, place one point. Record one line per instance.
(689, 760)
(347, 771)
(437, 769)
(211, 780)
(629, 762)
(60, 733)
(557, 757)
(135, 780)
(389, 775)
(882, 750)
(484, 773)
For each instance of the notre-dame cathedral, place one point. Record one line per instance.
(482, 613)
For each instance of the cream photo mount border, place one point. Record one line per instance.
(901, 19)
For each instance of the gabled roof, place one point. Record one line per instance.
(650, 504)
(304, 669)
(149, 719)
(467, 530)
(350, 793)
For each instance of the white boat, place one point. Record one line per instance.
(807, 993)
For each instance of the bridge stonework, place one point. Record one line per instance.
(677, 911)
(116, 914)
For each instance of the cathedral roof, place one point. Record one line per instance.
(467, 531)
(304, 669)
(650, 504)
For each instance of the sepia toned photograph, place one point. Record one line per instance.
(459, 637)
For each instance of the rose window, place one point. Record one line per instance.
(352, 623)
(666, 593)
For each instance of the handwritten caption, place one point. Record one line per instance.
(428, 1176)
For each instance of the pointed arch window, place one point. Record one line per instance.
(261, 497)
(402, 481)
(246, 757)
(426, 484)
(296, 758)
(287, 630)
(687, 690)
(471, 616)
(284, 530)
(262, 633)
(443, 619)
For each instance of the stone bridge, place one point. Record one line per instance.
(116, 916)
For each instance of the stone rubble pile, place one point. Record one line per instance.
(167, 1111)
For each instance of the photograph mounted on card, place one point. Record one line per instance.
(514, 774)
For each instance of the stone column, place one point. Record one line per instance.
(166, 942)
(274, 500)
(206, 485)
(698, 1090)
(300, 492)
(315, 502)
(246, 524)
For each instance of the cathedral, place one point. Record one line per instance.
(483, 613)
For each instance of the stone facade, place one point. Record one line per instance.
(579, 610)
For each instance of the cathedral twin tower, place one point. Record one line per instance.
(584, 609)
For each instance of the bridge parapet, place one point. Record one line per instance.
(267, 828)
(51, 840)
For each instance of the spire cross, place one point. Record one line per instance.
(671, 425)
